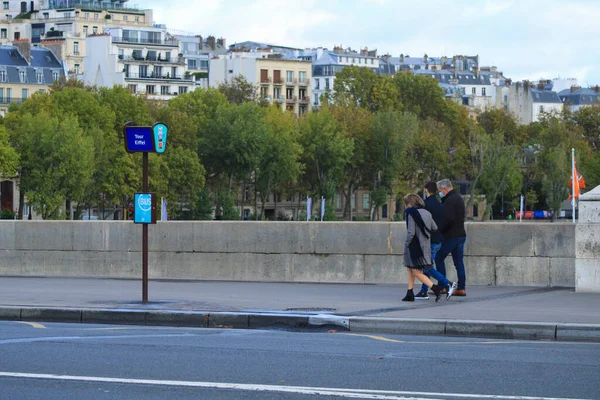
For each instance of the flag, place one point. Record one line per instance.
(322, 207)
(575, 187)
(163, 210)
(308, 208)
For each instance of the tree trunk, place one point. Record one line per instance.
(21, 205)
(243, 200)
(275, 194)
(348, 202)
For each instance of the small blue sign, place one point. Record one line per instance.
(142, 208)
(160, 137)
(139, 139)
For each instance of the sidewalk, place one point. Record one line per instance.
(513, 312)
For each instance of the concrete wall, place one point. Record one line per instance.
(537, 254)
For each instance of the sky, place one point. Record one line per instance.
(526, 39)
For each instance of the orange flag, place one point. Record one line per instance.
(579, 183)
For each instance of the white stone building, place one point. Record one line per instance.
(527, 103)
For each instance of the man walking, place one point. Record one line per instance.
(453, 233)
(437, 212)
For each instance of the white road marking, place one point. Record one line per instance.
(32, 324)
(348, 393)
(67, 338)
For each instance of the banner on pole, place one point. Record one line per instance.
(322, 207)
(308, 208)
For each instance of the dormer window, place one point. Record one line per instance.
(23, 75)
(2, 75)
(55, 75)
(40, 77)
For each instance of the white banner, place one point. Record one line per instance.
(163, 210)
(322, 207)
(308, 208)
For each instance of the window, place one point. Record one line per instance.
(125, 18)
(317, 87)
(95, 30)
(24, 93)
(173, 72)
(276, 93)
(8, 95)
(6, 5)
(143, 71)
(192, 64)
(474, 90)
(137, 19)
(46, 15)
(289, 76)
(326, 83)
(2, 75)
(85, 30)
(347, 59)
(132, 88)
(483, 91)
(204, 65)
(3, 33)
(76, 69)
(366, 201)
(354, 61)
(42, 91)
(17, 35)
(164, 90)
(150, 89)
(302, 76)
(183, 89)
(23, 76)
(541, 109)
(40, 76)
(86, 15)
(55, 75)
(1, 95)
(372, 61)
(75, 47)
(157, 71)
(316, 102)
(67, 15)
(384, 211)
(96, 17)
(289, 93)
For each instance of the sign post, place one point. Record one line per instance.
(145, 139)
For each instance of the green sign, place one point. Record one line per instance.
(160, 137)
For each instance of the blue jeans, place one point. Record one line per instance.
(456, 247)
(432, 272)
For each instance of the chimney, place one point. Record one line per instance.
(24, 47)
(364, 52)
(201, 44)
(373, 53)
(574, 89)
(211, 42)
(402, 58)
(475, 70)
(56, 46)
(221, 42)
(444, 60)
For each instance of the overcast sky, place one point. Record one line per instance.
(526, 39)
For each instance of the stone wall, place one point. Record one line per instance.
(497, 253)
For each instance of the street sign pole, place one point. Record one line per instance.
(145, 233)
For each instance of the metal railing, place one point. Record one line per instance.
(99, 5)
(170, 60)
(278, 81)
(265, 81)
(291, 100)
(153, 76)
(157, 42)
(10, 100)
(304, 82)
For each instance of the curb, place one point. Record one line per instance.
(241, 320)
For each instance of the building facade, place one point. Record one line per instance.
(284, 82)
(144, 60)
(526, 103)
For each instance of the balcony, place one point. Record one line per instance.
(99, 5)
(291, 82)
(10, 100)
(279, 99)
(265, 81)
(155, 42)
(304, 82)
(277, 82)
(153, 60)
(304, 100)
(151, 76)
(291, 100)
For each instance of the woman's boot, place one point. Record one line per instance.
(437, 290)
(410, 296)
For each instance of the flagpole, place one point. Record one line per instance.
(573, 177)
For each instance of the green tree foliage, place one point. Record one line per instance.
(186, 180)
(9, 158)
(325, 152)
(422, 96)
(238, 90)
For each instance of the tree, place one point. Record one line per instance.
(480, 147)
(421, 95)
(429, 152)
(359, 171)
(204, 206)
(57, 162)
(354, 85)
(186, 180)
(325, 153)
(279, 163)
(9, 158)
(392, 132)
(496, 121)
(588, 118)
(238, 90)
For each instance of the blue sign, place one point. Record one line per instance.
(160, 137)
(139, 139)
(143, 208)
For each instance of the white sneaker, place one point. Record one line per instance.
(451, 290)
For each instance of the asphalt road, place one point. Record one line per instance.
(74, 361)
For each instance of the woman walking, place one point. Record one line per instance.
(417, 247)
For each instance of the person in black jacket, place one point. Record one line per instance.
(453, 233)
(437, 212)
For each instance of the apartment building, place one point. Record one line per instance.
(281, 81)
(147, 61)
(63, 25)
(197, 52)
(528, 102)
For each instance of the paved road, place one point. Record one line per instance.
(528, 304)
(67, 361)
